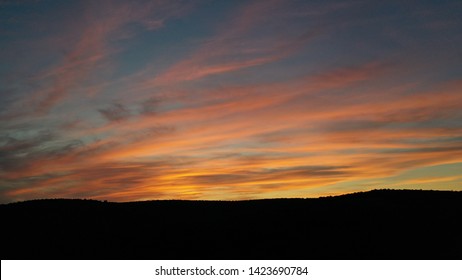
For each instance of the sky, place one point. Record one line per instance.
(228, 100)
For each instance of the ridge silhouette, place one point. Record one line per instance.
(379, 224)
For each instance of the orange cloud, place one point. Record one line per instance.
(227, 139)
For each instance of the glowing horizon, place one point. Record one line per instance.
(228, 100)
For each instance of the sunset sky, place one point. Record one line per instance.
(228, 100)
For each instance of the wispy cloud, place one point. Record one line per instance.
(238, 45)
(233, 100)
(89, 53)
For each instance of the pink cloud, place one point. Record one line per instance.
(90, 53)
(237, 45)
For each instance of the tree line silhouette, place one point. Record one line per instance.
(379, 224)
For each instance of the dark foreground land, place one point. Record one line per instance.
(380, 224)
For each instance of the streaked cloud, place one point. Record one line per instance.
(241, 100)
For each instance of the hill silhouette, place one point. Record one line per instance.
(380, 224)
